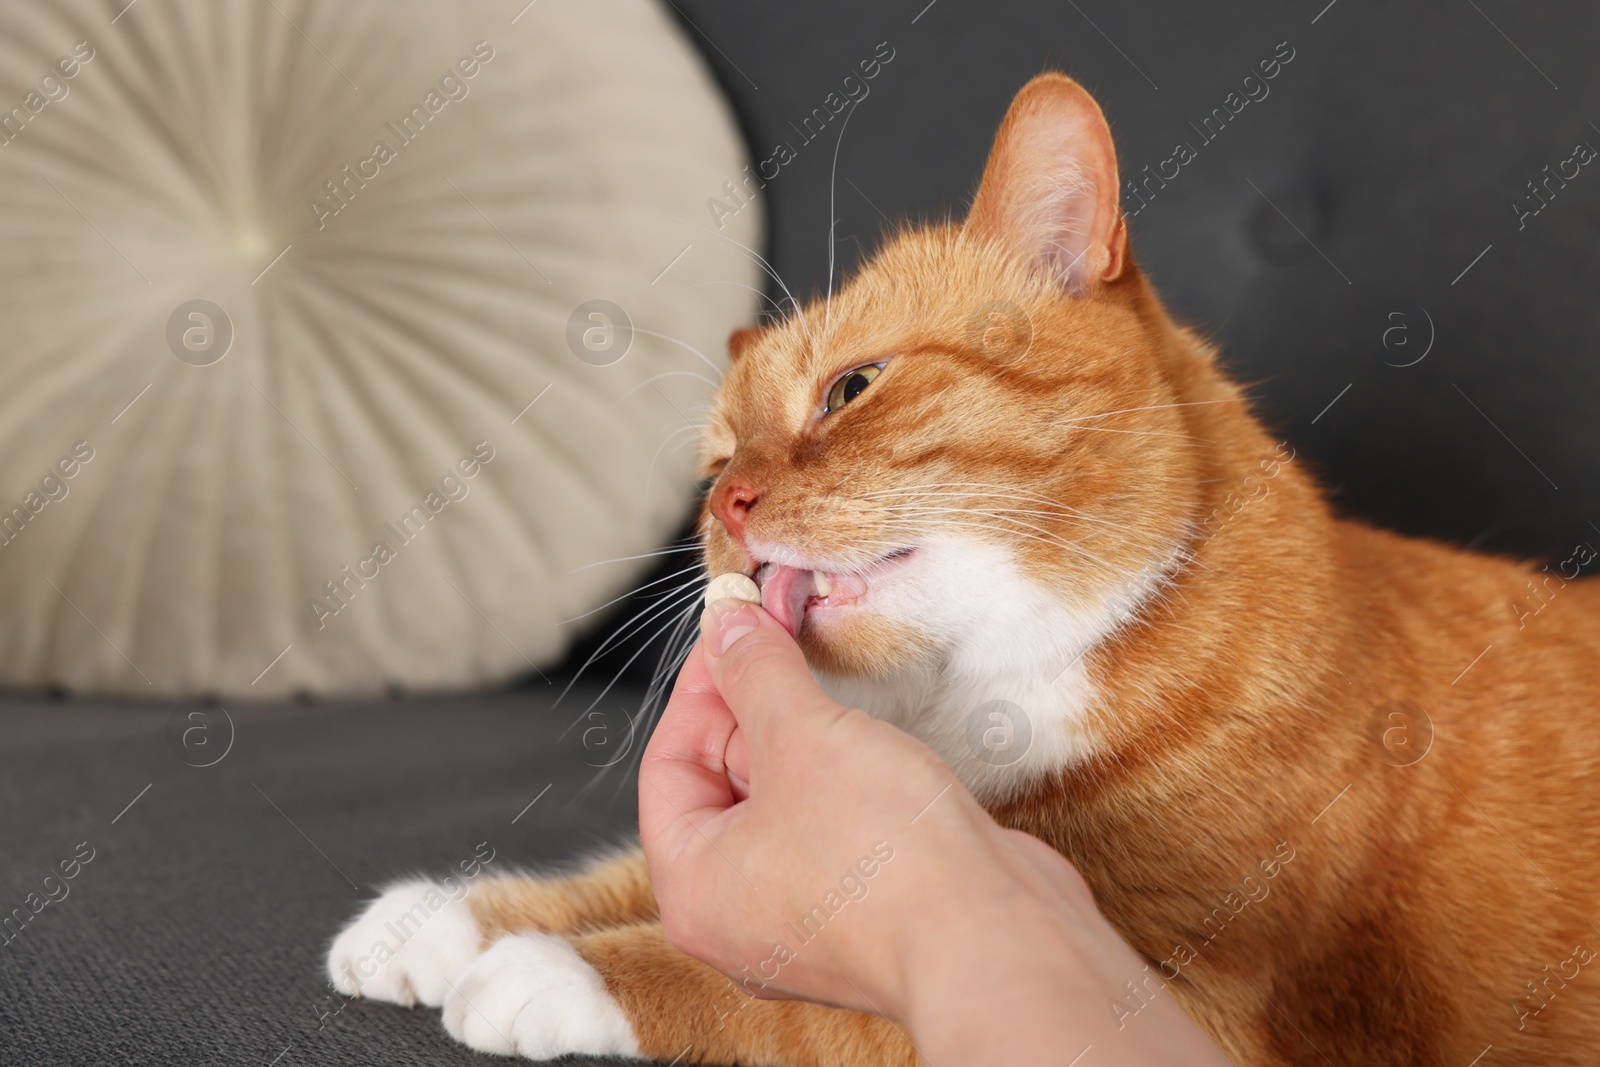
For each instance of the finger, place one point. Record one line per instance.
(762, 674)
(682, 777)
(738, 760)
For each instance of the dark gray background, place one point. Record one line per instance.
(1393, 145)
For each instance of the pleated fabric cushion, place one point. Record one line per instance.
(348, 344)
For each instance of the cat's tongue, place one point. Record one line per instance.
(784, 593)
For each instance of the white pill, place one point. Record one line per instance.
(733, 586)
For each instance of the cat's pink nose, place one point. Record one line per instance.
(731, 502)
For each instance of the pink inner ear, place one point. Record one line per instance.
(1049, 193)
(1055, 203)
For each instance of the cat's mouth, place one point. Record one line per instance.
(788, 593)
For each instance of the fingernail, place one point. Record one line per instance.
(724, 622)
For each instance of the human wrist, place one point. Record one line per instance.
(996, 984)
(968, 905)
(942, 873)
(1010, 970)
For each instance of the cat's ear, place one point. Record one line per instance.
(1049, 191)
(739, 340)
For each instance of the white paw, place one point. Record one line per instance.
(408, 946)
(532, 995)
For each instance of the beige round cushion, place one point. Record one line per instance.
(345, 342)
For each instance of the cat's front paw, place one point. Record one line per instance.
(532, 995)
(408, 946)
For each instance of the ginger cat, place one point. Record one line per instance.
(1328, 780)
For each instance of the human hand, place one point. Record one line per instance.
(828, 809)
(808, 850)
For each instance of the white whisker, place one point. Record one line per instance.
(994, 491)
(1160, 407)
(1063, 514)
(833, 217)
(685, 344)
(768, 268)
(667, 374)
(1032, 532)
(636, 623)
(777, 307)
(632, 592)
(695, 547)
(686, 602)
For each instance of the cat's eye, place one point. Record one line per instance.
(851, 384)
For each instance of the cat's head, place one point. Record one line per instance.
(976, 441)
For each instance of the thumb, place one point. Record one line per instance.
(760, 672)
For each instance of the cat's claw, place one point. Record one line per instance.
(408, 946)
(533, 996)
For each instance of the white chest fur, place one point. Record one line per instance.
(1005, 700)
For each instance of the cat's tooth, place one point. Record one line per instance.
(823, 584)
(732, 586)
